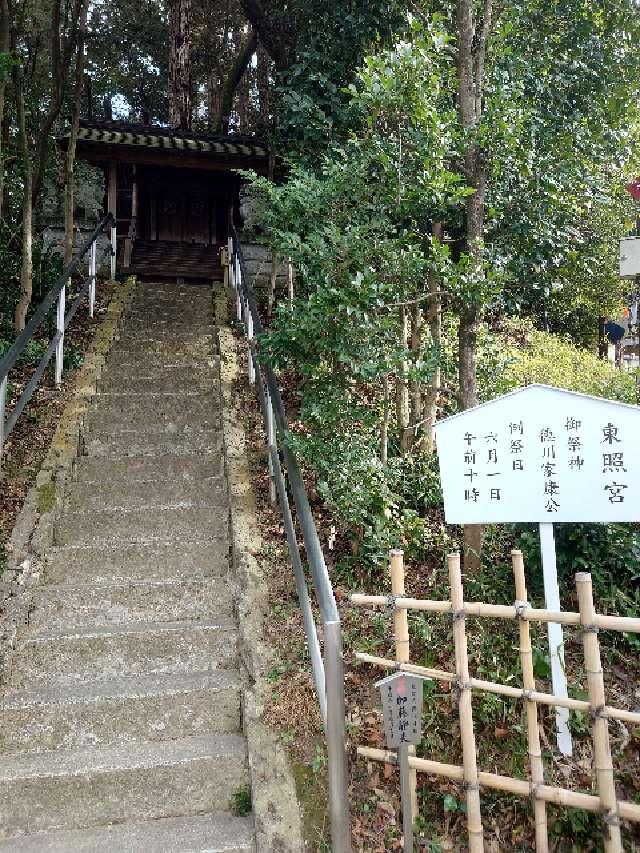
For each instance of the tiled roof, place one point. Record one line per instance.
(168, 139)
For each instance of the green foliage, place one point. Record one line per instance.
(241, 805)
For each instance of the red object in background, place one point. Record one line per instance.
(634, 189)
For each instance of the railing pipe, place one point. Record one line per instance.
(60, 312)
(271, 442)
(57, 294)
(336, 739)
(328, 674)
(92, 278)
(16, 350)
(3, 408)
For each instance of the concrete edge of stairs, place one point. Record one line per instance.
(33, 531)
(276, 809)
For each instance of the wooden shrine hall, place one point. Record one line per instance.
(174, 193)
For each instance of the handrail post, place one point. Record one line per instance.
(238, 280)
(92, 279)
(60, 311)
(114, 249)
(3, 406)
(336, 739)
(250, 365)
(271, 442)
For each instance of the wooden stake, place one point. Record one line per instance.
(467, 734)
(401, 636)
(603, 764)
(531, 709)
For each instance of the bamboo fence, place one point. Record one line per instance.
(605, 802)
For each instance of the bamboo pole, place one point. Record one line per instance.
(626, 624)
(401, 637)
(500, 689)
(548, 793)
(603, 764)
(467, 734)
(531, 709)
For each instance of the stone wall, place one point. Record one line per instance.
(258, 260)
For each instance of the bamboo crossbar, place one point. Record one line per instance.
(499, 689)
(520, 787)
(625, 624)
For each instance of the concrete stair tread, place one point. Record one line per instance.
(126, 561)
(84, 788)
(212, 833)
(65, 762)
(163, 466)
(118, 711)
(143, 686)
(182, 442)
(134, 494)
(179, 522)
(62, 632)
(130, 601)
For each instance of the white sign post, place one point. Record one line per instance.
(542, 455)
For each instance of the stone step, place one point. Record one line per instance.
(168, 468)
(76, 789)
(212, 833)
(154, 413)
(74, 654)
(178, 380)
(141, 354)
(90, 604)
(144, 561)
(165, 336)
(120, 711)
(127, 493)
(195, 317)
(177, 523)
(118, 445)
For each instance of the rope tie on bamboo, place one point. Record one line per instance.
(470, 786)
(610, 819)
(457, 615)
(391, 601)
(590, 629)
(534, 787)
(599, 713)
(527, 695)
(521, 608)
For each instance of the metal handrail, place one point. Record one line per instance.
(328, 670)
(63, 318)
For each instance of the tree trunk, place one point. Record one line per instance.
(470, 97)
(236, 73)
(180, 70)
(4, 48)
(213, 100)
(386, 417)
(244, 105)
(415, 391)
(26, 271)
(264, 87)
(434, 319)
(402, 388)
(70, 158)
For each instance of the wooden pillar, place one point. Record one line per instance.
(112, 201)
(134, 197)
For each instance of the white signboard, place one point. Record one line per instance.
(629, 257)
(541, 455)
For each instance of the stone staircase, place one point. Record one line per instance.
(120, 728)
